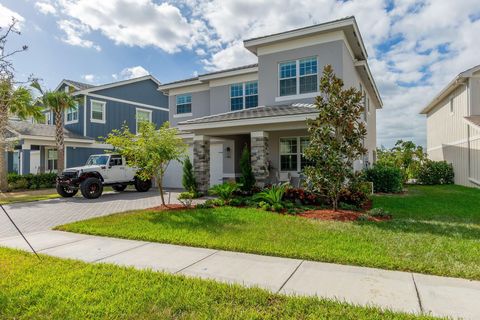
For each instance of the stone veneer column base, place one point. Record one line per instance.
(201, 161)
(259, 156)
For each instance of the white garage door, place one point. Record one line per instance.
(173, 176)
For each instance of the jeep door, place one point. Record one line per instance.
(116, 169)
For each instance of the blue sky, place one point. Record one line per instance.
(415, 47)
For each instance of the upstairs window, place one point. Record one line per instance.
(184, 104)
(97, 111)
(244, 95)
(71, 115)
(298, 76)
(288, 78)
(308, 75)
(142, 115)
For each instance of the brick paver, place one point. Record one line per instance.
(44, 215)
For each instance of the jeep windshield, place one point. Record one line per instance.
(97, 160)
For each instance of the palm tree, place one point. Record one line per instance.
(58, 102)
(14, 101)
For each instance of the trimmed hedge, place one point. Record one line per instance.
(436, 172)
(385, 179)
(31, 181)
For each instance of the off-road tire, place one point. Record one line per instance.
(91, 188)
(119, 187)
(66, 192)
(143, 186)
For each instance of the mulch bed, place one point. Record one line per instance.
(340, 215)
(168, 207)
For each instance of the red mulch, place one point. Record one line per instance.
(340, 215)
(168, 207)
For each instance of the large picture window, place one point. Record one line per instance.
(184, 104)
(298, 76)
(243, 95)
(291, 153)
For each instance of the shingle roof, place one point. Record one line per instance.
(79, 85)
(258, 112)
(37, 129)
(212, 73)
(475, 120)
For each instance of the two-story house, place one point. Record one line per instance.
(453, 127)
(99, 110)
(264, 106)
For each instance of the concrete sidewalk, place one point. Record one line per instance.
(399, 291)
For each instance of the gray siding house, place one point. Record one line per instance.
(264, 106)
(100, 109)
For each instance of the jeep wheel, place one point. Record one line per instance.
(119, 187)
(143, 186)
(91, 188)
(66, 192)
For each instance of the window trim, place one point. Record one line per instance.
(297, 95)
(244, 94)
(150, 116)
(298, 153)
(450, 105)
(104, 109)
(48, 118)
(72, 110)
(183, 114)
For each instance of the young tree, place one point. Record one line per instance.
(336, 137)
(14, 100)
(188, 179)
(150, 151)
(247, 179)
(58, 102)
(405, 155)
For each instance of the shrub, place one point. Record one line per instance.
(31, 181)
(302, 196)
(247, 179)
(186, 198)
(385, 178)
(224, 191)
(188, 179)
(436, 172)
(272, 196)
(356, 194)
(378, 212)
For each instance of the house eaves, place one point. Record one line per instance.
(118, 84)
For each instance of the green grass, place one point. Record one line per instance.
(67, 289)
(8, 199)
(435, 230)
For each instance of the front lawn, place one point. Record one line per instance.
(434, 230)
(27, 196)
(67, 289)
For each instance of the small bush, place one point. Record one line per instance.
(385, 178)
(356, 195)
(273, 195)
(224, 191)
(186, 198)
(188, 179)
(247, 179)
(363, 217)
(31, 181)
(302, 196)
(436, 172)
(206, 205)
(378, 212)
(348, 207)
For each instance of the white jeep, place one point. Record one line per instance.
(99, 171)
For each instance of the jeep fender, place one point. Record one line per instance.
(92, 174)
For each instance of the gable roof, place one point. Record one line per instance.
(19, 129)
(76, 84)
(118, 83)
(452, 85)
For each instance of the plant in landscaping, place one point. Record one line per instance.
(224, 191)
(336, 137)
(150, 150)
(247, 178)
(272, 196)
(186, 198)
(188, 179)
(405, 155)
(385, 179)
(356, 194)
(379, 212)
(31, 181)
(302, 196)
(436, 172)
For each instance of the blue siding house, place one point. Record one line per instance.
(100, 109)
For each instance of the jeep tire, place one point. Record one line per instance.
(143, 185)
(91, 188)
(66, 192)
(119, 187)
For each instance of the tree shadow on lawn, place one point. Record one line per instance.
(197, 220)
(445, 229)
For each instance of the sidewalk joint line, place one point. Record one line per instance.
(290, 276)
(109, 256)
(418, 294)
(63, 244)
(216, 251)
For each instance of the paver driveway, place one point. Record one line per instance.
(44, 215)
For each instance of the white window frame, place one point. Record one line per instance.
(48, 118)
(150, 113)
(244, 94)
(299, 154)
(297, 95)
(186, 114)
(104, 109)
(72, 111)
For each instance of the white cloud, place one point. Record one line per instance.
(6, 16)
(91, 78)
(74, 32)
(45, 7)
(233, 56)
(130, 73)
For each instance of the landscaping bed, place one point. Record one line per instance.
(341, 215)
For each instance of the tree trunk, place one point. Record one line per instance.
(3, 147)
(59, 139)
(160, 188)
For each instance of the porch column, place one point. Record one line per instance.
(259, 156)
(201, 161)
(25, 159)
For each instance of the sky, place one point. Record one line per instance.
(415, 47)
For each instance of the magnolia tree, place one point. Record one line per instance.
(336, 138)
(150, 150)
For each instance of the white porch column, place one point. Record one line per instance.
(201, 161)
(259, 156)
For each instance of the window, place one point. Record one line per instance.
(244, 95)
(298, 76)
(71, 115)
(184, 104)
(451, 105)
(52, 159)
(48, 118)
(291, 153)
(115, 160)
(142, 115)
(97, 111)
(308, 75)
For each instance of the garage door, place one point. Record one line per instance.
(173, 176)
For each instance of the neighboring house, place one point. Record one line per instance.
(453, 127)
(100, 109)
(264, 106)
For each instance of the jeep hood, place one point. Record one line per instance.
(84, 168)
